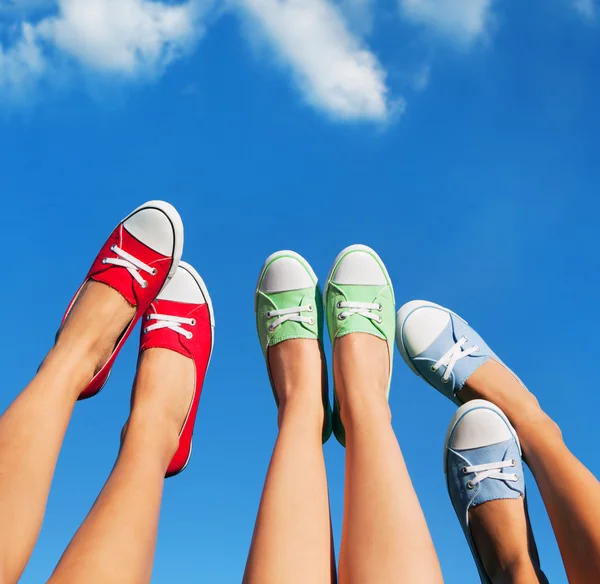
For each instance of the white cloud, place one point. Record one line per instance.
(121, 36)
(463, 21)
(586, 8)
(131, 38)
(332, 67)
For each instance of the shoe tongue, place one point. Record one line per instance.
(360, 324)
(494, 489)
(357, 323)
(291, 329)
(488, 489)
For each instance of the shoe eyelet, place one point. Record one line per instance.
(268, 314)
(145, 331)
(113, 247)
(464, 470)
(154, 272)
(380, 320)
(513, 463)
(149, 317)
(310, 308)
(445, 380)
(311, 321)
(193, 322)
(104, 260)
(476, 349)
(380, 309)
(144, 284)
(189, 336)
(338, 305)
(270, 328)
(470, 485)
(341, 317)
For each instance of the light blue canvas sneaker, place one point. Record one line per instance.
(482, 462)
(440, 346)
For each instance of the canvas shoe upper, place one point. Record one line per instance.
(138, 260)
(288, 305)
(181, 319)
(482, 462)
(440, 346)
(359, 298)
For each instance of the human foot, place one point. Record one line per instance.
(135, 263)
(90, 333)
(484, 476)
(361, 369)
(359, 301)
(176, 344)
(289, 321)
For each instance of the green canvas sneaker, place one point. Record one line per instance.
(288, 305)
(359, 298)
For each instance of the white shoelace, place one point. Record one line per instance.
(491, 470)
(131, 263)
(360, 308)
(293, 314)
(454, 355)
(171, 322)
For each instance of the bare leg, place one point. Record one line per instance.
(33, 427)
(117, 540)
(385, 537)
(501, 533)
(292, 538)
(570, 492)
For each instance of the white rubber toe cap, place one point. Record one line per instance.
(359, 265)
(286, 271)
(477, 424)
(158, 225)
(419, 324)
(183, 287)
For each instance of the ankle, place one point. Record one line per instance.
(72, 363)
(535, 428)
(516, 570)
(148, 430)
(301, 405)
(361, 407)
(82, 352)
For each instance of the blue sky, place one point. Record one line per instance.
(460, 140)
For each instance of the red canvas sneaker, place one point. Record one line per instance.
(182, 319)
(138, 260)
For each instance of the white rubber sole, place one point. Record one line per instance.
(191, 270)
(475, 404)
(358, 247)
(272, 258)
(177, 224)
(400, 327)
